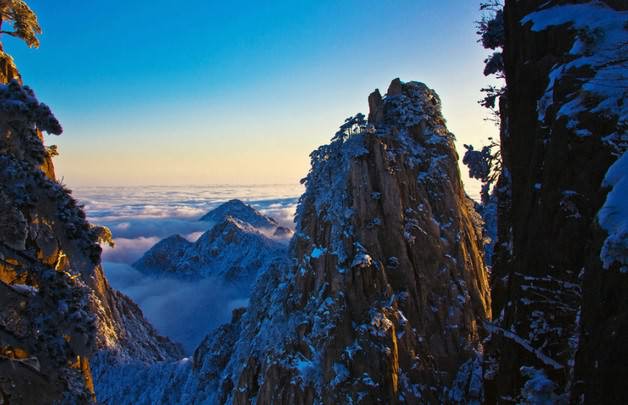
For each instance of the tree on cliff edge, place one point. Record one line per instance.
(22, 19)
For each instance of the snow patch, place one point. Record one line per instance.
(613, 216)
(600, 45)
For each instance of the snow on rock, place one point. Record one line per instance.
(564, 122)
(601, 47)
(317, 252)
(241, 211)
(538, 389)
(613, 216)
(362, 260)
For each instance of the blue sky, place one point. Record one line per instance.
(240, 92)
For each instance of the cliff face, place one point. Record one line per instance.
(560, 316)
(48, 254)
(386, 239)
(57, 306)
(123, 334)
(388, 291)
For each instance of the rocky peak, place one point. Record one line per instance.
(395, 88)
(282, 232)
(164, 255)
(392, 244)
(237, 209)
(232, 229)
(376, 111)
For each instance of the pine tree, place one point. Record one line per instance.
(22, 19)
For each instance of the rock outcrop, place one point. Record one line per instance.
(560, 316)
(387, 293)
(123, 334)
(389, 260)
(48, 253)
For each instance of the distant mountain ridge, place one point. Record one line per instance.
(231, 249)
(234, 249)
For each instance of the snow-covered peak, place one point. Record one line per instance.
(165, 255)
(408, 104)
(408, 123)
(231, 226)
(237, 209)
(232, 248)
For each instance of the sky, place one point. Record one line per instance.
(239, 92)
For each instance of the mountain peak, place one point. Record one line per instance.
(387, 269)
(230, 230)
(239, 210)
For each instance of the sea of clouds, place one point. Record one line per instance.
(139, 217)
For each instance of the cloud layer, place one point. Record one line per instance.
(185, 311)
(140, 217)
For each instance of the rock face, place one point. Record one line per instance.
(385, 299)
(48, 253)
(123, 332)
(389, 291)
(386, 241)
(560, 317)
